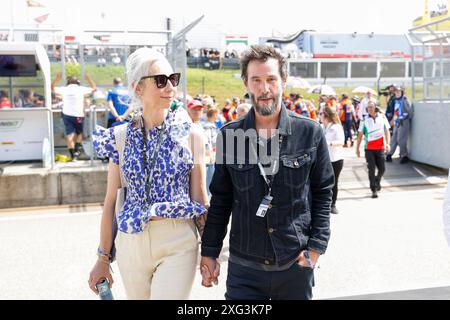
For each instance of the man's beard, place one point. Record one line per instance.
(265, 109)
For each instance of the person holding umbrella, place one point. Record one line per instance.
(370, 93)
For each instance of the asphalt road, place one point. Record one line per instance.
(388, 244)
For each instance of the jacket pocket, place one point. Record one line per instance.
(243, 176)
(296, 169)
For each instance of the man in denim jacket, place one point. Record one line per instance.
(274, 174)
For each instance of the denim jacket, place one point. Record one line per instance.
(299, 215)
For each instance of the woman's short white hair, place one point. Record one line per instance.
(137, 66)
(244, 107)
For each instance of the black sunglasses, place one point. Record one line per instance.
(161, 79)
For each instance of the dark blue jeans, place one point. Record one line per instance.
(245, 283)
(348, 130)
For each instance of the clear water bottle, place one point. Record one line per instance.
(103, 290)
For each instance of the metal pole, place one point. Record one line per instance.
(441, 61)
(319, 69)
(81, 49)
(11, 97)
(12, 20)
(183, 62)
(91, 129)
(413, 74)
(424, 74)
(63, 60)
(51, 137)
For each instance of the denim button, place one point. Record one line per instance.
(271, 230)
(296, 163)
(266, 262)
(240, 166)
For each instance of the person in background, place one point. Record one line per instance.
(195, 111)
(390, 95)
(356, 101)
(226, 110)
(347, 112)
(243, 109)
(334, 133)
(26, 99)
(375, 129)
(401, 122)
(5, 102)
(164, 167)
(211, 131)
(233, 115)
(118, 103)
(363, 105)
(73, 96)
(312, 109)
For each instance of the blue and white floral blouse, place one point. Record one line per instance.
(169, 190)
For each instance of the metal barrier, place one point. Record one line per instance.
(94, 115)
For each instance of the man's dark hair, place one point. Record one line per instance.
(73, 80)
(117, 81)
(262, 53)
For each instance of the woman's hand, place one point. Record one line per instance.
(100, 271)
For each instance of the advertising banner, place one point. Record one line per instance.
(22, 132)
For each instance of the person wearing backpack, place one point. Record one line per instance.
(162, 166)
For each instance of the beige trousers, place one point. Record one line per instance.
(159, 263)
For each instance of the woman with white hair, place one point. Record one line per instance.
(163, 167)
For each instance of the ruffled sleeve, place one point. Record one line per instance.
(104, 143)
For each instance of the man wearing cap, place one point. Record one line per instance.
(118, 103)
(73, 96)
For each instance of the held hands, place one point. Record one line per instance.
(101, 270)
(210, 271)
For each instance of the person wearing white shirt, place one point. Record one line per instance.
(73, 96)
(446, 212)
(334, 134)
(362, 112)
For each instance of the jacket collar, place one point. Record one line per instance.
(284, 124)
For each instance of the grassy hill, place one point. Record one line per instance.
(221, 84)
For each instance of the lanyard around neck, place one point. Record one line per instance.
(268, 181)
(148, 177)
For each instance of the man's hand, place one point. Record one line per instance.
(210, 271)
(387, 148)
(313, 255)
(358, 153)
(58, 76)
